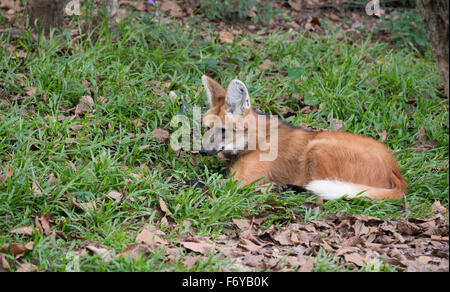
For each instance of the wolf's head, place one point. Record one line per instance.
(228, 119)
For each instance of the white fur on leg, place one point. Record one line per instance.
(332, 189)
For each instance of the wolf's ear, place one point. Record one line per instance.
(214, 92)
(238, 100)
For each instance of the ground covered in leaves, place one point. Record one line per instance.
(89, 182)
(339, 243)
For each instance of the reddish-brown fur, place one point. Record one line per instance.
(307, 156)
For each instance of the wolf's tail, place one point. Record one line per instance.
(335, 189)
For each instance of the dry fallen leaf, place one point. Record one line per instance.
(8, 4)
(150, 238)
(137, 123)
(424, 259)
(306, 264)
(437, 207)
(242, 224)
(102, 100)
(189, 261)
(406, 227)
(114, 195)
(164, 223)
(164, 207)
(4, 265)
(344, 250)
(8, 173)
(352, 241)
(225, 37)
(360, 228)
(26, 267)
(36, 189)
(30, 90)
(138, 5)
(16, 249)
(45, 223)
(355, 258)
(85, 104)
(84, 206)
(134, 251)
(249, 245)
(253, 260)
(266, 65)
(422, 141)
(171, 8)
(135, 175)
(283, 237)
(77, 127)
(422, 135)
(424, 146)
(296, 4)
(160, 134)
(173, 96)
(26, 230)
(86, 83)
(199, 247)
(87, 99)
(145, 147)
(104, 254)
(294, 261)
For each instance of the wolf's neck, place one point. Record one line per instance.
(281, 123)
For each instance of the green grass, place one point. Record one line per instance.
(367, 86)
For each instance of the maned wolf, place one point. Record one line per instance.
(329, 164)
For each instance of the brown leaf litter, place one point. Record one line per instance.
(419, 244)
(160, 134)
(422, 142)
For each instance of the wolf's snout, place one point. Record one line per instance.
(207, 152)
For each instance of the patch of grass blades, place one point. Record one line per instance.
(58, 158)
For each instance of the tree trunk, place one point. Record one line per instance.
(113, 6)
(435, 19)
(46, 14)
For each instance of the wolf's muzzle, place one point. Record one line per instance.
(208, 152)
